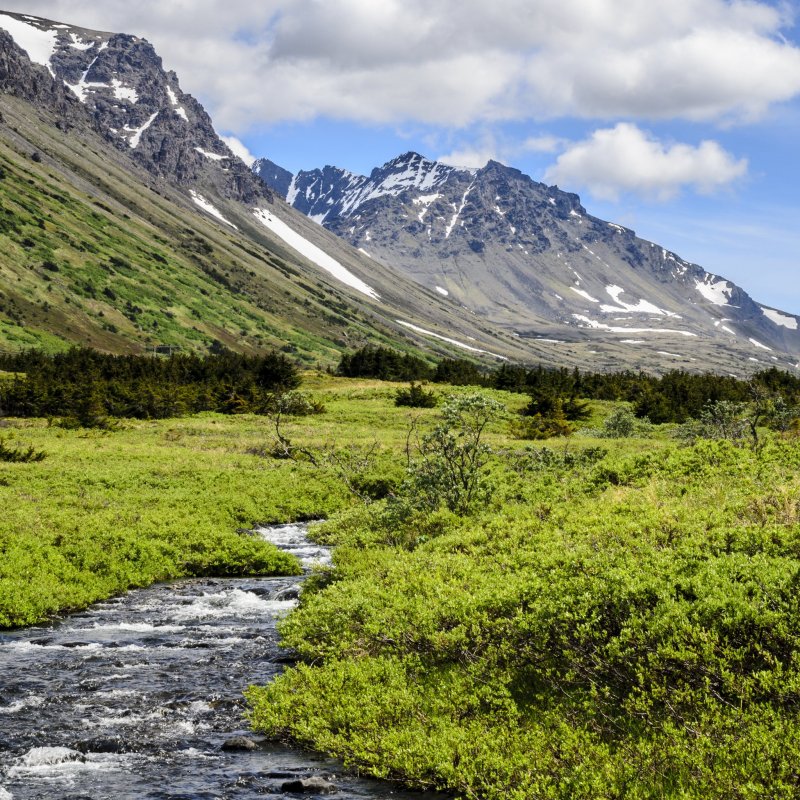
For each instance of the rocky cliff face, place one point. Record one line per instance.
(121, 82)
(31, 82)
(530, 258)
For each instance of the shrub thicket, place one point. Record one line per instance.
(86, 387)
(384, 364)
(627, 628)
(676, 396)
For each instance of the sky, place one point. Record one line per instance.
(677, 118)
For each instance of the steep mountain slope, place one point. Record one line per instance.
(111, 167)
(529, 258)
(126, 237)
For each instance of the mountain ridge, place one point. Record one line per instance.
(418, 255)
(105, 242)
(531, 259)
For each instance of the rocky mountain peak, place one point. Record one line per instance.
(408, 172)
(529, 258)
(135, 102)
(277, 177)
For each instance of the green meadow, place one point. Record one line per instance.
(589, 618)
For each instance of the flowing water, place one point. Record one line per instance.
(135, 697)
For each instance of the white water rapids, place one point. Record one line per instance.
(134, 698)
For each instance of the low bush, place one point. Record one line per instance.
(415, 397)
(621, 625)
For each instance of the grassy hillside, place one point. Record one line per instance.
(91, 252)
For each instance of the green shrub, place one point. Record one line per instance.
(449, 467)
(19, 455)
(415, 397)
(621, 423)
(630, 630)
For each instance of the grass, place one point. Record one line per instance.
(155, 500)
(148, 502)
(621, 628)
(624, 625)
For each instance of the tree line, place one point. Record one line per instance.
(87, 386)
(676, 396)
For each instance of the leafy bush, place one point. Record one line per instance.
(415, 397)
(449, 466)
(539, 459)
(621, 423)
(541, 426)
(571, 644)
(721, 420)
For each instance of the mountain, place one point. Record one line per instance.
(135, 103)
(126, 223)
(529, 259)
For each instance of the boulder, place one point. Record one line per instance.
(239, 743)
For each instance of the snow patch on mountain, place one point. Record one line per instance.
(601, 326)
(584, 295)
(458, 211)
(122, 92)
(642, 307)
(133, 142)
(291, 195)
(447, 339)
(212, 156)
(209, 208)
(176, 106)
(78, 44)
(716, 291)
(779, 318)
(425, 201)
(313, 253)
(40, 45)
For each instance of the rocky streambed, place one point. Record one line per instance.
(141, 697)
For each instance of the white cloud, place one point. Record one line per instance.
(455, 62)
(238, 149)
(627, 159)
(489, 146)
(542, 144)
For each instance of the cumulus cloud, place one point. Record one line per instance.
(626, 159)
(455, 62)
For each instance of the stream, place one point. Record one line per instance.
(135, 697)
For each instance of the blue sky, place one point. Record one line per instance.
(677, 118)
